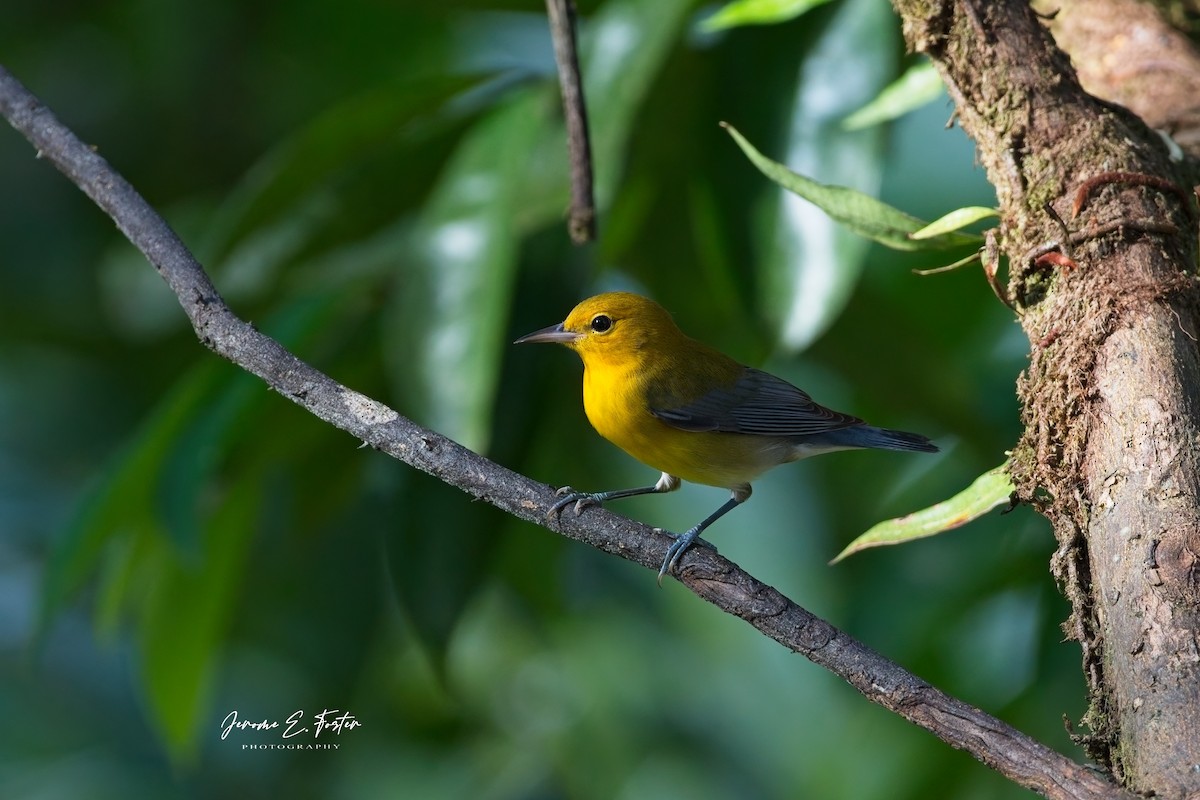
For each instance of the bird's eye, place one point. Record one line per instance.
(601, 323)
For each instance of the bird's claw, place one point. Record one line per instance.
(581, 500)
(678, 547)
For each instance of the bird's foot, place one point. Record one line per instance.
(682, 542)
(581, 500)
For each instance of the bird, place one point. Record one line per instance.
(692, 412)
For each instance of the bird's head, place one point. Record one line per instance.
(616, 328)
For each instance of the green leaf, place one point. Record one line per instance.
(860, 212)
(155, 487)
(438, 559)
(624, 48)
(122, 504)
(294, 178)
(450, 304)
(992, 488)
(810, 263)
(757, 12)
(187, 610)
(920, 84)
(956, 219)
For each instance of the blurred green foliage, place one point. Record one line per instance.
(382, 187)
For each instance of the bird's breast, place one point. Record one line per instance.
(616, 405)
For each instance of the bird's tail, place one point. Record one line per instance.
(885, 439)
(868, 436)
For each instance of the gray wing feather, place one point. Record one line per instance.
(759, 404)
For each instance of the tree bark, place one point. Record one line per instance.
(1099, 225)
(1126, 52)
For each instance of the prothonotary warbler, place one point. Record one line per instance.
(697, 415)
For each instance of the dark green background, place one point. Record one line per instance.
(382, 187)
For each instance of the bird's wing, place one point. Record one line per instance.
(758, 403)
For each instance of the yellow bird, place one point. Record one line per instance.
(692, 412)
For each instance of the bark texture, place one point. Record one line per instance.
(1099, 225)
(1125, 51)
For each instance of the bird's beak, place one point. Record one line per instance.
(555, 333)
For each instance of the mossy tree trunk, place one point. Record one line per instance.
(1099, 226)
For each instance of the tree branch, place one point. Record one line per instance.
(582, 219)
(1109, 398)
(1126, 52)
(711, 577)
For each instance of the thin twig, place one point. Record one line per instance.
(1122, 226)
(962, 262)
(712, 577)
(989, 256)
(1085, 190)
(582, 221)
